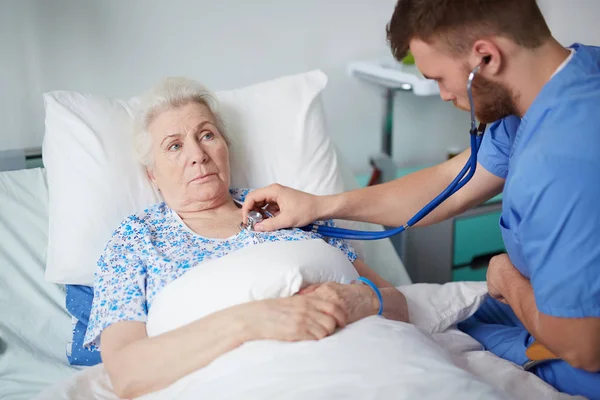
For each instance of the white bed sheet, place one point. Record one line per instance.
(34, 324)
(307, 381)
(503, 375)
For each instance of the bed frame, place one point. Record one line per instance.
(33, 157)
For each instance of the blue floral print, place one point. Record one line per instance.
(151, 249)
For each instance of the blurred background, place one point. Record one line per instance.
(120, 48)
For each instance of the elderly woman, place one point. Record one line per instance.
(182, 143)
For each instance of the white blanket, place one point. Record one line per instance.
(371, 359)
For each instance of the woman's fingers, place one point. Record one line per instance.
(329, 303)
(315, 331)
(337, 312)
(334, 310)
(314, 317)
(309, 324)
(299, 318)
(321, 325)
(309, 289)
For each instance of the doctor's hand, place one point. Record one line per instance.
(291, 208)
(500, 273)
(357, 301)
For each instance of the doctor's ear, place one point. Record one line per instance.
(488, 55)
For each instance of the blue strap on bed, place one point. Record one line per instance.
(79, 304)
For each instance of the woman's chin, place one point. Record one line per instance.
(208, 190)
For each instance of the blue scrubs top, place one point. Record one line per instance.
(551, 201)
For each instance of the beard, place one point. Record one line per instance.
(492, 100)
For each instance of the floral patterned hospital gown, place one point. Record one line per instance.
(153, 248)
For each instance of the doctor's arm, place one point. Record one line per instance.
(395, 202)
(559, 232)
(574, 340)
(392, 203)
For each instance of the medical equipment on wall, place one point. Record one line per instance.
(461, 180)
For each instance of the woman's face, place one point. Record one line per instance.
(191, 158)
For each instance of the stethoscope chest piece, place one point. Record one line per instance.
(254, 217)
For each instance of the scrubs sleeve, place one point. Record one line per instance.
(496, 145)
(560, 235)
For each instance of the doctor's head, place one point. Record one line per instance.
(449, 38)
(180, 139)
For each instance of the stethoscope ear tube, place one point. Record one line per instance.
(458, 183)
(464, 176)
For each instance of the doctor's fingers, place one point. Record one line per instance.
(258, 198)
(295, 208)
(281, 221)
(292, 214)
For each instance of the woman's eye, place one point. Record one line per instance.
(208, 136)
(174, 147)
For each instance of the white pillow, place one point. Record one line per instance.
(434, 308)
(278, 132)
(269, 271)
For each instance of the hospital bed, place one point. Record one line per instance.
(35, 327)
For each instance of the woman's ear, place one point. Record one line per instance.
(152, 178)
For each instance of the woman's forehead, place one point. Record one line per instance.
(182, 120)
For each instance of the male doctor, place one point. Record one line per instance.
(541, 149)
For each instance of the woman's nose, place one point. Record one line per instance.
(196, 154)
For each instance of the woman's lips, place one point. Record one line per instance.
(203, 178)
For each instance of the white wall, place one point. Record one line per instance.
(119, 48)
(21, 114)
(573, 20)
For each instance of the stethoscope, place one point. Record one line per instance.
(461, 180)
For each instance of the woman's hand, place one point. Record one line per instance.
(293, 318)
(357, 301)
(291, 208)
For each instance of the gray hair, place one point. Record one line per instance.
(170, 93)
